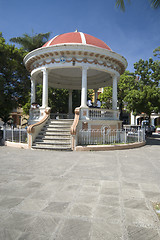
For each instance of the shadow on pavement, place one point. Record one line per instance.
(153, 140)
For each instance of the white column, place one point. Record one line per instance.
(45, 88)
(133, 119)
(70, 102)
(84, 87)
(114, 93)
(33, 90)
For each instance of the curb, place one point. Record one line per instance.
(109, 147)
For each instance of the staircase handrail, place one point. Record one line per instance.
(31, 128)
(75, 122)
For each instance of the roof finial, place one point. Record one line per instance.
(76, 30)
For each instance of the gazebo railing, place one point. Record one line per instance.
(103, 114)
(99, 114)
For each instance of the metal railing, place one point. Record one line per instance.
(108, 136)
(15, 135)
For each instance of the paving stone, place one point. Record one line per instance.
(110, 184)
(32, 236)
(130, 193)
(88, 198)
(130, 185)
(9, 202)
(33, 185)
(71, 187)
(89, 182)
(74, 229)
(150, 187)
(111, 214)
(64, 195)
(18, 221)
(110, 191)
(140, 233)
(108, 200)
(31, 205)
(56, 207)
(43, 225)
(90, 189)
(81, 210)
(154, 196)
(135, 204)
(7, 234)
(142, 218)
(102, 230)
(41, 194)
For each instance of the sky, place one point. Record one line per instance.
(133, 34)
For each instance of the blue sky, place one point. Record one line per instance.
(134, 33)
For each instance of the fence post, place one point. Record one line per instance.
(138, 135)
(4, 133)
(19, 134)
(125, 136)
(12, 132)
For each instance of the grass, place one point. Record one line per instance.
(156, 207)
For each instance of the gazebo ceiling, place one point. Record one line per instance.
(71, 78)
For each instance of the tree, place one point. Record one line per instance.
(156, 52)
(125, 85)
(106, 97)
(154, 4)
(14, 81)
(148, 72)
(31, 42)
(146, 98)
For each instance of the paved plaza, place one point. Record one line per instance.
(51, 195)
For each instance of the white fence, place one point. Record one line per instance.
(15, 135)
(108, 136)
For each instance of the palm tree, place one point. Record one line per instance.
(31, 42)
(154, 3)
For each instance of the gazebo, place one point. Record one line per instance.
(74, 61)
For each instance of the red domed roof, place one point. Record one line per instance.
(76, 37)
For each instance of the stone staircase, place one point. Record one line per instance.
(55, 135)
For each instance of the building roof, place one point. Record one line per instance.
(77, 38)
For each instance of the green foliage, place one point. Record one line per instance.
(31, 42)
(125, 85)
(145, 101)
(14, 80)
(146, 96)
(120, 3)
(148, 72)
(106, 97)
(156, 52)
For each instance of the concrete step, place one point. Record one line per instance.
(48, 131)
(56, 127)
(55, 135)
(49, 147)
(50, 143)
(54, 141)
